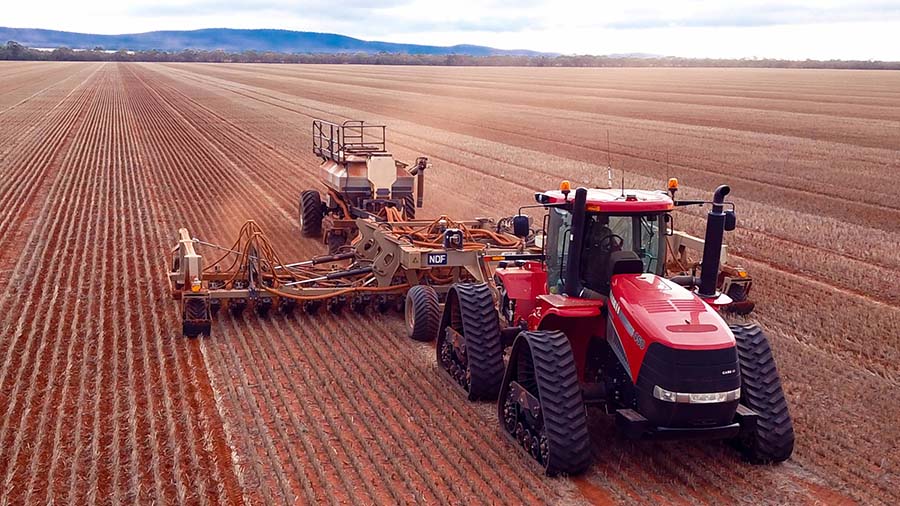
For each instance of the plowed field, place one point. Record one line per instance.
(102, 401)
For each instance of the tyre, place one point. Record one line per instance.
(469, 346)
(555, 434)
(195, 317)
(423, 313)
(773, 438)
(409, 207)
(311, 213)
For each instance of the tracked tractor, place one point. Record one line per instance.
(361, 180)
(594, 319)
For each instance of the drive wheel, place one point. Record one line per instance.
(541, 407)
(310, 213)
(469, 346)
(773, 438)
(409, 208)
(423, 313)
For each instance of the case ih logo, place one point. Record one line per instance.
(437, 259)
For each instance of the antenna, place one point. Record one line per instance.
(667, 167)
(623, 178)
(608, 164)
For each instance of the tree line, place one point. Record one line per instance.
(15, 51)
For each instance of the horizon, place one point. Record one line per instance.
(635, 54)
(835, 30)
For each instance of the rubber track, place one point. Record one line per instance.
(761, 391)
(561, 402)
(481, 328)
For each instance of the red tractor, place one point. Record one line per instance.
(593, 320)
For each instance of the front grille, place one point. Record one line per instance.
(689, 371)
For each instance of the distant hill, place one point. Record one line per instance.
(231, 40)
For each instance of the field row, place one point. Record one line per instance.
(103, 401)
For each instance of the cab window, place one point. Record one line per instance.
(559, 235)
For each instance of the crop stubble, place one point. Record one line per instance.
(102, 162)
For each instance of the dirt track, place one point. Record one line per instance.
(102, 401)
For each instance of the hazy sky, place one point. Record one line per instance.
(798, 29)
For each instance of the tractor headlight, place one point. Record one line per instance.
(664, 395)
(696, 398)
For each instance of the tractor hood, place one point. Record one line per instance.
(648, 309)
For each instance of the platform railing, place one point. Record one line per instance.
(334, 142)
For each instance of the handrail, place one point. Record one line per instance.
(333, 142)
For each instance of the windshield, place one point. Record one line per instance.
(603, 234)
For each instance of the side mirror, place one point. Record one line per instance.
(730, 221)
(521, 226)
(670, 225)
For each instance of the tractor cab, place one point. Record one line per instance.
(620, 232)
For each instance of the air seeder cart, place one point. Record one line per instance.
(361, 179)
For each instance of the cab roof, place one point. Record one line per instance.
(613, 201)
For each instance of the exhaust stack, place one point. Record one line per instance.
(573, 267)
(712, 248)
